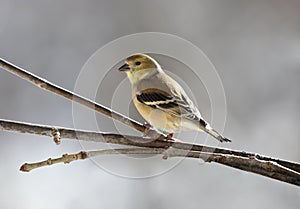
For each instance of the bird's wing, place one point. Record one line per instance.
(176, 103)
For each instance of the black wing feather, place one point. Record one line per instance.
(160, 99)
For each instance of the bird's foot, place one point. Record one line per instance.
(147, 129)
(169, 137)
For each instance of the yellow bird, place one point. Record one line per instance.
(161, 100)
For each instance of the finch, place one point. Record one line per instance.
(161, 100)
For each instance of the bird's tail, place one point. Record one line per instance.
(218, 136)
(204, 126)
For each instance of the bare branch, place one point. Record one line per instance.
(236, 159)
(46, 85)
(67, 158)
(22, 127)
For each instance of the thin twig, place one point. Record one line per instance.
(46, 85)
(8, 125)
(232, 158)
(67, 158)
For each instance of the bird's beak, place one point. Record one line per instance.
(124, 68)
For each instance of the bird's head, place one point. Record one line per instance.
(137, 66)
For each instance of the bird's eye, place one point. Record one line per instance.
(137, 63)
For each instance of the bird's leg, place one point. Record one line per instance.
(170, 136)
(147, 128)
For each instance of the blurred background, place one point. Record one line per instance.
(255, 47)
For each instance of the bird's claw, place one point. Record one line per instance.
(147, 128)
(169, 137)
